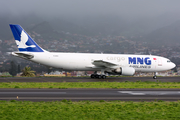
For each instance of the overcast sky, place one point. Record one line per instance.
(125, 8)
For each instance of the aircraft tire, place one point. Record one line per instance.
(92, 76)
(103, 77)
(154, 77)
(99, 76)
(96, 76)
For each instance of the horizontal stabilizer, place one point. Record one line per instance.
(23, 55)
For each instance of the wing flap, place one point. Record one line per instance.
(102, 63)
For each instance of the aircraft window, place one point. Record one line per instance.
(168, 61)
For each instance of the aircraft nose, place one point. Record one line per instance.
(173, 65)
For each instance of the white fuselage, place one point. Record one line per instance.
(83, 61)
(121, 64)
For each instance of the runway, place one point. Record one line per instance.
(87, 79)
(90, 94)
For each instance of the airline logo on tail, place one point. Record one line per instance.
(24, 41)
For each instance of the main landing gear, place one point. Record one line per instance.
(95, 75)
(98, 76)
(154, 77)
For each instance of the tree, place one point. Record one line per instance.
(175, 69)
(28, 72)
(13, 69)
(49, 69)
(19, 68)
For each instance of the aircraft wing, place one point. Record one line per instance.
(23, 55)
(102, 63)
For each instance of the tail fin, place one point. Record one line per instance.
(24, 42)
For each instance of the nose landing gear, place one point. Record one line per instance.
(154, 77)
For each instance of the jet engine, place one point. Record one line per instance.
(124, 71)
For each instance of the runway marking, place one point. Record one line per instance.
(151, 92)
(132, 93)
(32, 92)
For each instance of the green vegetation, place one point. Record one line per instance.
(114, 85)
(2, 76)
(89, 110)
(27, 72)
(13, 69)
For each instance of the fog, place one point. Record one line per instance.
(111, 17)
(124, 8)
(95, 26)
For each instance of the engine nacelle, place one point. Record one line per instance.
(125, 71)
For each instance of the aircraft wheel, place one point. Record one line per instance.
(154, 77)
(103, 77)
(96, 76)
(92, 76)
(99, 76)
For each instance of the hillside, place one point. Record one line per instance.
(166, 35)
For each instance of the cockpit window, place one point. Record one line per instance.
(168, 61)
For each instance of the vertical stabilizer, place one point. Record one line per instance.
(24, 42)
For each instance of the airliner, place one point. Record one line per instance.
(117, 64)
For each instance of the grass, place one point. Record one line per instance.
(114, 85)
(89, 110)
(5, 76)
